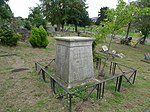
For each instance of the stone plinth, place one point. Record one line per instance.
(74, 60)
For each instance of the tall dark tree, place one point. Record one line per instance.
(142, 23)
(61, 11)
(84, 20)
(7, 34)
(101, 15)
(77, 9)
(36, 16)
(56, 11)
(5, 12)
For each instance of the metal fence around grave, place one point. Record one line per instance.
(114, 72)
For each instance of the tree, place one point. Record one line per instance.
(7, 34)
(116, 19)
(120, 17)
(84, 19)
(142, 22)
(5, 12)
(134, 12)
(101, 15)
(61, 11)
(27, 24)
(77, 8)
(36, 16)
(56, 11)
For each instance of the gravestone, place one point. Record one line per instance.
(74, 61)
(147, 56)
(50, 28)
(24, 33)
(105, 48)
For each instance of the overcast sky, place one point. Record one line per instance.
(21, 7)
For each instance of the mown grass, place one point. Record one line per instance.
(25, 91)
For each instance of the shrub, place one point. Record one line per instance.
(34, 36)
(44, 36)
(123, 41)
(27, 24)
(133, 43)
(8, 36)
(39, 37)
(126, 41)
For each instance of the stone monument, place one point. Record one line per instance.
(74, 61)
(50, 28)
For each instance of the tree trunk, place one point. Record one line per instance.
(107, 56)
(143, 40)
(76, 27)
(58, 27)
(62, 25)
(128, 29)
(145, 33)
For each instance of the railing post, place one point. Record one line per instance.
(99, 90)
(110, 69)
(53, 85)
(103, 89)
(36, 66)
(119, 85)
(116, 84)
(70, 103)
(114, 68)
(134, 77)
(43, 75)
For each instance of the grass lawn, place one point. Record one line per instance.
(24, 91)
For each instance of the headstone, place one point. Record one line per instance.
(50, 28)
(121, 55)
(147, 56)
(74, 60)
(24, 32)
(105, 48)
(114, 52)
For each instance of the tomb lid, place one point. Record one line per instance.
(74, 39)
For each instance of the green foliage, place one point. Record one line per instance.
(84, 19)
(5, 11)
(102, 15)
(101, 33)
(61, 11)
(116, 19)
(34, 36)
(27, 24)
(44, 37)
(77, 8)
(122, 15)
(39, 37)
(16, 23)
(142, 21)
(36, 17)
(8, 36)
(124, 41)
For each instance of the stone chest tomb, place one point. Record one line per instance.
(74, 61)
